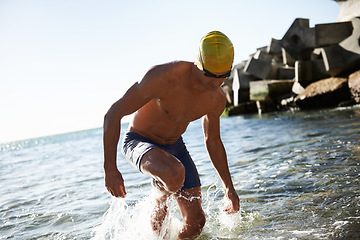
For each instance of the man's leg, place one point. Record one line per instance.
(159, 214)
(189, 202)
(168, 174)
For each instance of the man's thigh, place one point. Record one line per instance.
(158, 161)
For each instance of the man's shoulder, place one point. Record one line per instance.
(171, 71)
(179, 63)
(174, 66)
(168, 74)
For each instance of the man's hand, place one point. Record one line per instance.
(114, 183)
(233, 204)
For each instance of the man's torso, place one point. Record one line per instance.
(164, 119)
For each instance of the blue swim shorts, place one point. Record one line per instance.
(135, 146)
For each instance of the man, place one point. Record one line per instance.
(164, 102)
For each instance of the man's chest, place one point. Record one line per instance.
(182, 108)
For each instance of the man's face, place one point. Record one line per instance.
(215, 82)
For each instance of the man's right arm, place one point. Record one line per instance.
(111, 133)
(137, 96)
(128, 104)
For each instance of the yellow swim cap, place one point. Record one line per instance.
(216, 52)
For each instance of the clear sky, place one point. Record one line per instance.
(64, 62)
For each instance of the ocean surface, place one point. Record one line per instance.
(297, 175)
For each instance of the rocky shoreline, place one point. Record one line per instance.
(308, 68)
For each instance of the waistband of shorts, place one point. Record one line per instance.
(140, 137)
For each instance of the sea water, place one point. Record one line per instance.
(296, 173)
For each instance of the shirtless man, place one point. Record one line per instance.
(165, 101)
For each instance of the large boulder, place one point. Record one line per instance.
(328, 92)
(354, 85)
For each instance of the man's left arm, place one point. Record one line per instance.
(217, 154)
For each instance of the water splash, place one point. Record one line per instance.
(132, 221)
(221, 225)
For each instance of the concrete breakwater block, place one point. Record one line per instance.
(348, 9)
(237, 85)
(274, 47)
(259, 68)
(307, 72)
(265, 89)
(324, 93)
(339, 61)
(344, 57)
(332, 33)
(287, 59)
(352, 43)
(285, 72)
(302, 57)
(298, 38)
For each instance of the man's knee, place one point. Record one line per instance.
(165, 168)
(174, 178)
(173, 174)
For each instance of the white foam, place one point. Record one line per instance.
(132, 221)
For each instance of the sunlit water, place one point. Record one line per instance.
(297, 176)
